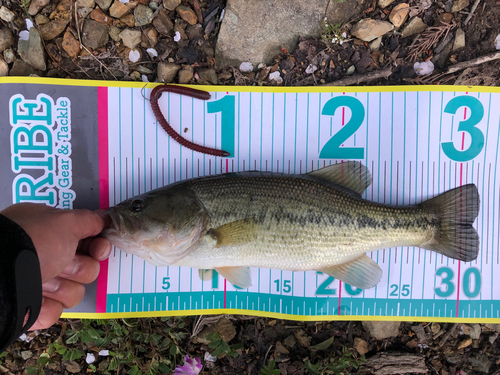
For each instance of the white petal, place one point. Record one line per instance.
(152, 52)
(209, 357)
(423, 68)
(24, 35)
(497, 42)
(177, 36)
(104, 353)
(222, 14)
(311, 69)
(134, 55)
(246, 67)
(29, 24)
(144, 78)
(90, 358)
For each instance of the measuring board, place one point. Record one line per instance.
(417, 142)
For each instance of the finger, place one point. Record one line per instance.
(88, 223)
(99, 249)
(82, 269)
(69, 293)
(50, 312)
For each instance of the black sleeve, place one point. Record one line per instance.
(20, 282)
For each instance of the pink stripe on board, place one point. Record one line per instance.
(102, 112)
(225, 293)
(461, 169)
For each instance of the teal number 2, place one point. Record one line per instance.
(332, 149)
(469, 126)
(225, 105)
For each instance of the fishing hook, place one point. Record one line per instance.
(181, 90)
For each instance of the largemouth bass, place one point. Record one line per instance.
(317, 221)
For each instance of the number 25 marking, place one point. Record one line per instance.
(332, 149)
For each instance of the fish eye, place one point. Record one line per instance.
(137, 205)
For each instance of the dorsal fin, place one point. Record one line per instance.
(350, 174)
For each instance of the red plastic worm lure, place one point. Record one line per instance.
(198, 94)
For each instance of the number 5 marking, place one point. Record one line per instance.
(332, 149)
(469, 126)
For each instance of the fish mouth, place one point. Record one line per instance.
(119, 227)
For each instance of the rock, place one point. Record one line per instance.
(475, 332)
(41, 19)
(26, 354)
(70, 44)
(385, 3)
(375, 44)
(73, 367)
(368, 29)
(167, 71)
(36, 5)
(6, 14)
(6, 39)
(9, 56)
(459, 40)
(4, 68)
(361, 346)
(143, 15)
(453, 357)
(98, 15)
(62, 11)
(21, 69)
(53, 29)
(194, 31)
(493, 327)
(493, 337)
(114, 33)
(444, 18)
(208, 77)
(415, 26)
(290, 340)
(171, 4)
(149, 37)
(94, 34)
(128, 20)
(32, 51)
(302, 338)
(130, 38)
(187, 14)
(186, 74)
(458, 5)
(435, 327)
(179, 27)
(280, 353)
(464, 343)
(118, 9)
(381, 330)
(226, 329)
(481, 363)
(85, 3)
(256, 31)
(104, 4)
(398, 14)
(385, 364)
(162, 22)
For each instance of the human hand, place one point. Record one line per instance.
(68, 251)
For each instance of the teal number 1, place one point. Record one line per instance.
(225, 105)
(332, 149)
(469, 126)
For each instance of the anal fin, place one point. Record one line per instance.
(239, 276)
(362, 272)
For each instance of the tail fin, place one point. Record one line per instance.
(456, 210)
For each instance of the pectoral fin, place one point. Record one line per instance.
(239, 276)
(238, 232)
(363, 272)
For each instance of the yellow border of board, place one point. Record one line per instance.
(151, 314)
(265, 89)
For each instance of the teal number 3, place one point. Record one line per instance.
(332, 149)
(469, 126)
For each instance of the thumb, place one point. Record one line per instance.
(90, 223)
